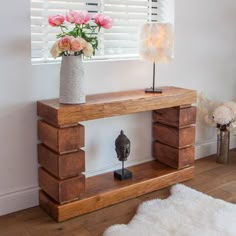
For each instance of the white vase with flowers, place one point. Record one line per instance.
(78, 37)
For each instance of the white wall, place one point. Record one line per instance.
(205, 58)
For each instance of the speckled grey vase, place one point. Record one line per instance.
(72, 80)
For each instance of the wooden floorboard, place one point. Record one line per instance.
(217, 180)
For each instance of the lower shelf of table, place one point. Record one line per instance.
(103, 190)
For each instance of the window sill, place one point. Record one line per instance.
(92, 60)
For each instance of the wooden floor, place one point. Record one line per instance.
(217, 180)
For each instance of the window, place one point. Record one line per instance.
(121, 41)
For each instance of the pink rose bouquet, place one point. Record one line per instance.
(81, 38)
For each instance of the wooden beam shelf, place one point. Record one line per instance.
(114, 104)
(66, 193)
(103, 190)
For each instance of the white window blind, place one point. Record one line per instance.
(121, 41)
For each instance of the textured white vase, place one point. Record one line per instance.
(72, 80)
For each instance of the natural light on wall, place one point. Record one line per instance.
(119, 42)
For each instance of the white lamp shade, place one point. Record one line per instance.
(156, 42)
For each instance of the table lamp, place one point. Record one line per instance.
(156, 45)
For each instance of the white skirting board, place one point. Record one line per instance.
(26, 198)
(16, 201)
(209, 148)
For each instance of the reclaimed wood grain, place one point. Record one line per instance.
(61, 190)
(113, 104)
(61, 166)
(176, 116)
(175, 137)
(58, 132)
(103, 190)
(61, 140)
(174, 157)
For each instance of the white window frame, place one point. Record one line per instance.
(157, 10)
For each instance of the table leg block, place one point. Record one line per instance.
(174, 157)
(61, 140)
(61, 190)
(61, 166)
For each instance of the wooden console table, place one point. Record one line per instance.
(66, 193)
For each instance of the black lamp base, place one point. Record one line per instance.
(151, 90)
(122, 174)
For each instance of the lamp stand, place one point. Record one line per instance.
(153, 89)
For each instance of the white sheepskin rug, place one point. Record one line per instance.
(186, 212)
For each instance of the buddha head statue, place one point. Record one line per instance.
(122, 144)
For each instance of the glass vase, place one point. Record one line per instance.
(223, 140)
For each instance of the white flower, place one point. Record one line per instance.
(231, 106)
(223, 115)
(55, 51)
(88, 50)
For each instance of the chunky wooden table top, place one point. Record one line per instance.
(114, 104)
